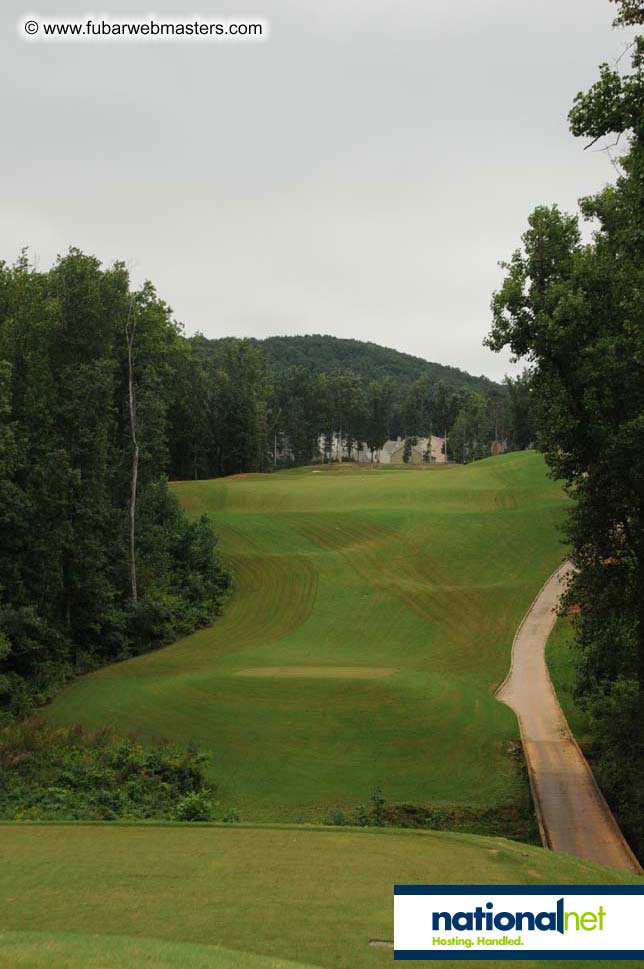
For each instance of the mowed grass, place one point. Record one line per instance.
(373, 613)
(561, 656)
(118, 897)
(72, 950)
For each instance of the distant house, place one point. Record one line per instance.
(426, 450)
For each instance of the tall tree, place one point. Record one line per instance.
(130, 334)
(68, 375)
(574, 309)
(521, 410)
(380, 399)
(415, 413)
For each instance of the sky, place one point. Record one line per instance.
(360, 173)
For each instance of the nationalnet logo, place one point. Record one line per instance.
(518, 922)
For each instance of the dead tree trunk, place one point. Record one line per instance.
(130, 331)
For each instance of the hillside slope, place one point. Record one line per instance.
(372, 615)
(321, 353)
(119, 897)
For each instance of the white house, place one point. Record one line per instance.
(426, 450)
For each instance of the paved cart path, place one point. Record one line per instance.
(572, 813)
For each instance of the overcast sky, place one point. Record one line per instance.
(360, 173)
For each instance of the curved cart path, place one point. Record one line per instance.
(572, 813)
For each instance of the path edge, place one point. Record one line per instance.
(543, 829)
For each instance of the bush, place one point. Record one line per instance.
(616, 754)
(195, 806)
(336, 817)
(512, 820)
(63, 773)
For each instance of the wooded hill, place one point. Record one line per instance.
(321, 353)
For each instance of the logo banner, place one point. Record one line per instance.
(518, 922)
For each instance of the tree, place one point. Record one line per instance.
(189, 430)
(521, 407)
(70, 386)
(380, 398)
(238, 403)
(443, 408)
(630, 12)
(410, 442)
(415, 409)
(130, 333)
(295, 412)
(574, 310)
(470, 433)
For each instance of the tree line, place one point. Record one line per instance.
(364, 414)
(103, 399)
(236, 413)
(574, 309)
(97, 560)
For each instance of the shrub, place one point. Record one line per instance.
(195, 806)
(64, 773)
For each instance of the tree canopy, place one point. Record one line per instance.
(67, 602)
(574, 310)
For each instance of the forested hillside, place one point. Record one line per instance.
(323, 354)
(326, 388)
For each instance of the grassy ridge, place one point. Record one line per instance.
(373, 612)
(161, 896)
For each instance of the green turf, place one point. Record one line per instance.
(70, 950)
(417, 577)
(159, 896)
(560, 656)
(373, 613)
(420, 575)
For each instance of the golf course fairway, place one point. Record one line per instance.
(123, 897)
(372, 615)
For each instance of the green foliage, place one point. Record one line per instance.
(409, 443)
(324, 354)
(325, 389)
(563, 660)
(231, 817)
(514, 820)
(630, 12)
(469, 438)
(575, 310)
(380, 396)
(522, 431)
(195, 806)
(65, 458)
(218, 413)
(336, 405)
(63, 773)
(358, 639)
(617, 753)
